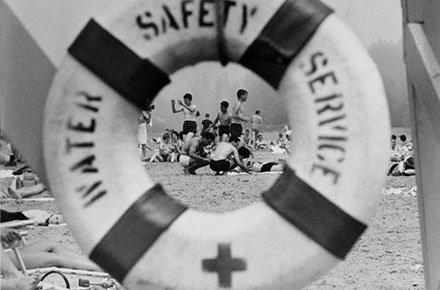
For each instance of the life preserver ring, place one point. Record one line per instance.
(311, 217)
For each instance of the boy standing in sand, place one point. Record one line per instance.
(189, 111)
(224, 119)
(206, 124)
(236, 128)
(192, 156)
(256, 125)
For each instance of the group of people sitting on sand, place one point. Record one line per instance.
(225, 156)
(222, 144)
(402, 157)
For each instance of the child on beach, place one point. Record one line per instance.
(176, 145)
(206, 124)
(256, 124)
(224, 120)
(165, 150)
(236, 128)
(247, 141)
(260, 143)
(190, 113)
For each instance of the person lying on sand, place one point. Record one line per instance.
(21, 183)
(12, 278)
(40, 217)
(256, 166)
(226, 157)
(45, 253)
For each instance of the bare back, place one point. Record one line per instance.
(223, 151)
(190, 144)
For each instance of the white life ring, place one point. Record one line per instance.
(311, 217)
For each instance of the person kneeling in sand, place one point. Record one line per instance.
(226, 157)
(45, 253)
(193, 156)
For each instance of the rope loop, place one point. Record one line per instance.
(221, 40)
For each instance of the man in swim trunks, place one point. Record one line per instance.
(226, 156)
(190, 112)
(192, 156)
(237, 117)
(224, 119)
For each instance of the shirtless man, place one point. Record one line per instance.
(190, 112)
(236, 128)
(224, 119)
(226, 157)
(192, 156)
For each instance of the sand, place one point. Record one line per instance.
(388, 255)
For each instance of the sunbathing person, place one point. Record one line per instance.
(40, 217)
(21, 183)
(45, 253)
(226, 157)
(403, 168)
(12, 279)
(257, 166)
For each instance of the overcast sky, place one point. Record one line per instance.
(372, 20)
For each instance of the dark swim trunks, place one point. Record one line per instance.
(189, 126)
(219, 165)
(236, 130)
(223, 129)
(268, 166)
(7, 216)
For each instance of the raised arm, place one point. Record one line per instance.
(191, 108)
(173, 107)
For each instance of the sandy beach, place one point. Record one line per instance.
(387, 256)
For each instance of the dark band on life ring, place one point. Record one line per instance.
(313, 214)
(136, 231)
(136, 79)
(283, 37)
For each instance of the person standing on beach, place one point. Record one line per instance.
(236, 128)
(224, 119)
(256, 125)
(189, 111)
(144, 121)
(206, 123)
